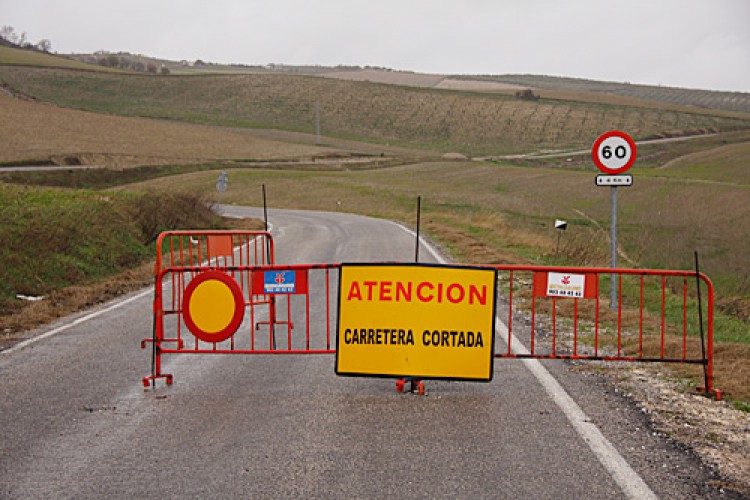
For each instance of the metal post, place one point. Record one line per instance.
(613, 250)
(419, 218)
(700, 321)
(317, 123)
(265, 208)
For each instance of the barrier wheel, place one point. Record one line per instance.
(400, 385)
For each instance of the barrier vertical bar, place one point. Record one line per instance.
(708, 354)
(596, 327)
(619, 316)
(640, 328)
(684, 317)
(533, 320)
(328, 311)
(289, 321)
(510, 313)
(575, 327)
(663, 312)
(307, 319)
(554, 326)
(252, 320)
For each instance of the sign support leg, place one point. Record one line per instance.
(613, 250)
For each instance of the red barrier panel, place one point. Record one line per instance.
(655, 317)
(219, 292)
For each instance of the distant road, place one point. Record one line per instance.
(564, 154)
(48, 167)
(76, 423)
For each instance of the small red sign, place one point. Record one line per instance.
(614, 152)
(566, 285)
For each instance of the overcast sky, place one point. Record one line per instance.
(684, 43)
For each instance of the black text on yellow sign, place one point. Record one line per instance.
(412, 320)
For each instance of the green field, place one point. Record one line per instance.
(467, 122)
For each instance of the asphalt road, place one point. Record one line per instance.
(76, 422)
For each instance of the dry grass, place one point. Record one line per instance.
(14, 56)
(737, 102)
(35, 131)
(390, 77)
(661, 221)
(72, 299)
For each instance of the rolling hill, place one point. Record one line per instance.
(473, 123)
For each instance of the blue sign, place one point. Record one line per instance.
(279, 282)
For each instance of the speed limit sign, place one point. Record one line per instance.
(614, 152)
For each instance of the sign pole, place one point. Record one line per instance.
(614, 152)
(613, 250)
(419, 218)
(265, 208)
(221, 185)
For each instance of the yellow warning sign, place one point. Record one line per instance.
(415, 320)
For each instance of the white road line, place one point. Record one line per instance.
(78, 321)
(629, 481)
(423, 243)
(632, 485)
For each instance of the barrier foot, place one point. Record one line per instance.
(180, 342)
(151, 379)
(416, 386)
(716, 393)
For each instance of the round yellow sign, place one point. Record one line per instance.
(213, 306)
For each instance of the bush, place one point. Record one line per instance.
(153, 213)
(527, 95)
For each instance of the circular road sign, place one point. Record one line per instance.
(213, 306)
(614, 152)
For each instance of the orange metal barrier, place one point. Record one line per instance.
(184, 255)
(550, 312)
(655, 318)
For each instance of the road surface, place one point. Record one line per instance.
(76, 422)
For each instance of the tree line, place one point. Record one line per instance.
(9, 35)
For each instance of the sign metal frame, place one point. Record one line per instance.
(388, 352)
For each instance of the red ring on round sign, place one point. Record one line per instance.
(237, 315)
(595, 152)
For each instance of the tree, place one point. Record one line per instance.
(165, 71)
(8, 33)
(44, 45)
(112, 61)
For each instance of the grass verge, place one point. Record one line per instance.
(55, 239)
